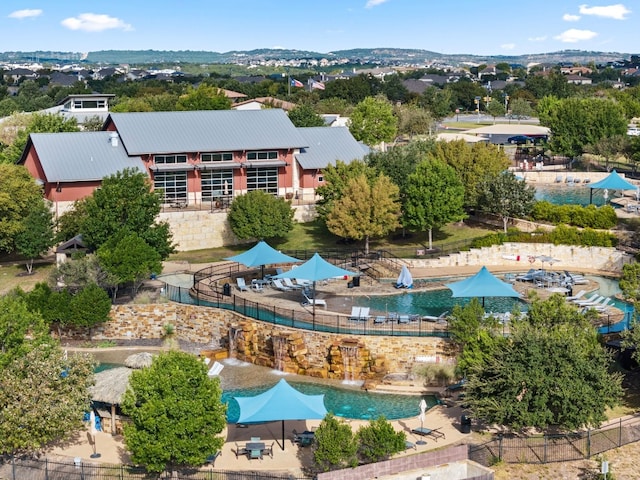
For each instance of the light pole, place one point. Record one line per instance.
(506, 106)
(477, 102)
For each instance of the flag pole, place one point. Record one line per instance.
(288, 82)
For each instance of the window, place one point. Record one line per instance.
(165, 159)
(216, 184)
(265, 179)
(262, 155)
(80, 104)
(216, 157)
(173, 184)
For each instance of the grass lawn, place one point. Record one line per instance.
(14, 275)
(314, 236)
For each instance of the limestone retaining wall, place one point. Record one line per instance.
(200, 229)
(518, 254)
(307, 352)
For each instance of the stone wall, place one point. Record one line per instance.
(200, 229)
(303, 352)
(518, 254)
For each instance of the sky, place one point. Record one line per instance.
(479, 27)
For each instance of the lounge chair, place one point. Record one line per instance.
(558, 178)
(577, 296)
(439, 318)
(355, 314)
(242, 286)
(303, 283)
(314, 301)
(590, 299)
(601, 306)
(364, 314)
(424, 432)
(277, 283)
(404, 319)
(380, 319)
(288, 283)
(257, 286)
(590, 303)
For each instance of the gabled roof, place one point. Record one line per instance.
(205, 131)
(328, 144)
(80, 156)
(270, 102)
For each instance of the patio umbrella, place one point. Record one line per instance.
(281, 402)
(262, 254)
(315, 270)
(92, 432)
(423, 409)
(405, 280)
(482, 284)
(547, 259)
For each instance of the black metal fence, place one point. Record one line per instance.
(44, 469)
(556, 448)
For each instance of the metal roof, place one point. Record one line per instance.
(81, 156)
(328, 144)
(206, 131)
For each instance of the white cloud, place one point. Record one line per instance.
(567, 17)
(27, 13)
(508, 46)
(94, 22)
(617, 11)
(574, 35)
(537, 39)
(374, 3)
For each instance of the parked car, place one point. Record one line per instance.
(633, 131)
(520, 139)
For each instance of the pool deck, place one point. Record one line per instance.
(293, 459)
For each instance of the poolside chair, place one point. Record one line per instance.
(242, 286)
(240, 451)
(590, 303)
(257, 286)
(590, 299)
(355, 314)
(211, 459)
(314, 301)
(600, 307)
(277, 283)
(431, 432)
(379, 319)
(431, 318)
(288, 283)
(364, 314)
(302, 282)
(403, 319)
(577, 296)
(558, 178)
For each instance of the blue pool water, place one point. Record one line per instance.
(432, 302)
(567, 194)
(347, 403)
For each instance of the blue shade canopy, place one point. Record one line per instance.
(613, 182)
(262, 254)
(315, 269)
(281, 402)
(482, 284)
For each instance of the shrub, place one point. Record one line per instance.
(378, 441)
(590, 216)
(336, 445)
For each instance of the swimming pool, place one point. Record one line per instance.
(431, 302)
(569, 194)
(241, 379)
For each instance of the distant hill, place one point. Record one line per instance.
(382, 56)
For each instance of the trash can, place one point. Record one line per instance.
(356, 281)
(226, 289)
(465, 424)
(350, 284)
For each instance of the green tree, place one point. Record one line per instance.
(336, 178)
(372, 121)
(413, 120)
(630, 282)
(520, 108)
(78, 271)
(506, 196)
(259, 215)
(129, 259)
(434, 197)
(18, 194)
(38, 123)
(305, 116)
(43, 394)
(474, 164)
(125, 204)
(89, 307)
(554, 376)
(21, 330)
(496, 109)
(576, 122)
(609, 147)
(36, 237)
(378, 441)
(336, 445)
(176, 413)
(204, 97)
(366, 210)
(437, 101)
(476, 336)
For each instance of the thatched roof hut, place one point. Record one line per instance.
(111, 385)
(139, 360)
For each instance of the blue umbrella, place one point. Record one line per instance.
(315, 269)
(482, 284)
(262, 254)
